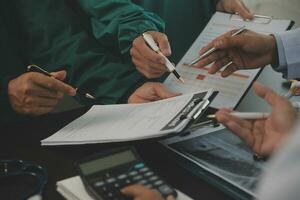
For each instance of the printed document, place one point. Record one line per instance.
(232, 88)
(125, 122)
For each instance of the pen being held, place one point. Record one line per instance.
(35, 68)
(152, 44)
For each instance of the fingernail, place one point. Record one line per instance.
(163, 61)
(218, 43)
(72, 92)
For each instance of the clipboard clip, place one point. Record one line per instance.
(259, 19)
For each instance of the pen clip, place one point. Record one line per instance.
(259, 19)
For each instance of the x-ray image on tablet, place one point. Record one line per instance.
(224, 155)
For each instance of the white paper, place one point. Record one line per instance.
(233, 87)
(73, 189)
(125, 122)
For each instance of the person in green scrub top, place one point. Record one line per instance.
(59, 38)
(184, 22)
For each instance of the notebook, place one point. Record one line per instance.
(73, 189)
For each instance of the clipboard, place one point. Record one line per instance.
(123, 122)
(200, 103)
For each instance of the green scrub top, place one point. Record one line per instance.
(184, 19)
(56, 36)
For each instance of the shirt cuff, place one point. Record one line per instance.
(282, 61)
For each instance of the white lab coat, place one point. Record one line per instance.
(281, 180)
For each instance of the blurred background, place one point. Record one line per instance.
(284, 9)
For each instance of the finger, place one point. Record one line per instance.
(148, 64)
(148, 53)
(258, 133)
(36, 90)
(134, 190)
(40, 102)
(170, 198)
(60, 75)
(244, 12)
(54, 85)
(38, 110)
(267, 94)
(226, 110)
(242, 132)
(229, 70)
(163, 93)
(226, 117)
(228, 42)
(211, 58)
(163, 44)
(218, 65)
(146, 70)
(206, 48)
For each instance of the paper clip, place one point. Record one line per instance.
(259, 19)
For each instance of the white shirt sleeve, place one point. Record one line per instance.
(281, 180)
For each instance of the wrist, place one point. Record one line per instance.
(274, 51)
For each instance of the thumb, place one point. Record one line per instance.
(243, 11)
(163, 93)
(60, 75)
(163, 43)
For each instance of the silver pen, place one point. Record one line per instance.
(213, 49)
(245, 115)
(35, 68)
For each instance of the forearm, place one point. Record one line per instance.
(288, 47)
(117, 23)
(65, 43)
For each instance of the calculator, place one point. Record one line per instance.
(105, 174)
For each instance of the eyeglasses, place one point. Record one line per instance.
(19, 167)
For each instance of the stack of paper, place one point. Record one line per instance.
(73, 189)
(126, 122)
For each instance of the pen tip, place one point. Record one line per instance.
(187, 64)
(89, 96)
(182, 80)
(211, 116)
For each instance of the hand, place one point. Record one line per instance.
(235, 6)
(248, 50)
(36, 94)
(263, 136)
(147, 61)
(151, 92)
(139, 192)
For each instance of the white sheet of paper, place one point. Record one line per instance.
(232, 88)
(73, 189)
(125, 122)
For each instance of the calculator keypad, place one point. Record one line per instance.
(109, 188)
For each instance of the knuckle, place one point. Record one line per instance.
(131, 51)
(27, 110)
(26, 89)
(28, 101)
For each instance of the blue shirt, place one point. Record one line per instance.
(288, 46)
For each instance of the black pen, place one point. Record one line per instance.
(35, 68)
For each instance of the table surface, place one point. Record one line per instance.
(22, 141)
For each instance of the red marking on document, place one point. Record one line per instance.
(201, 77)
